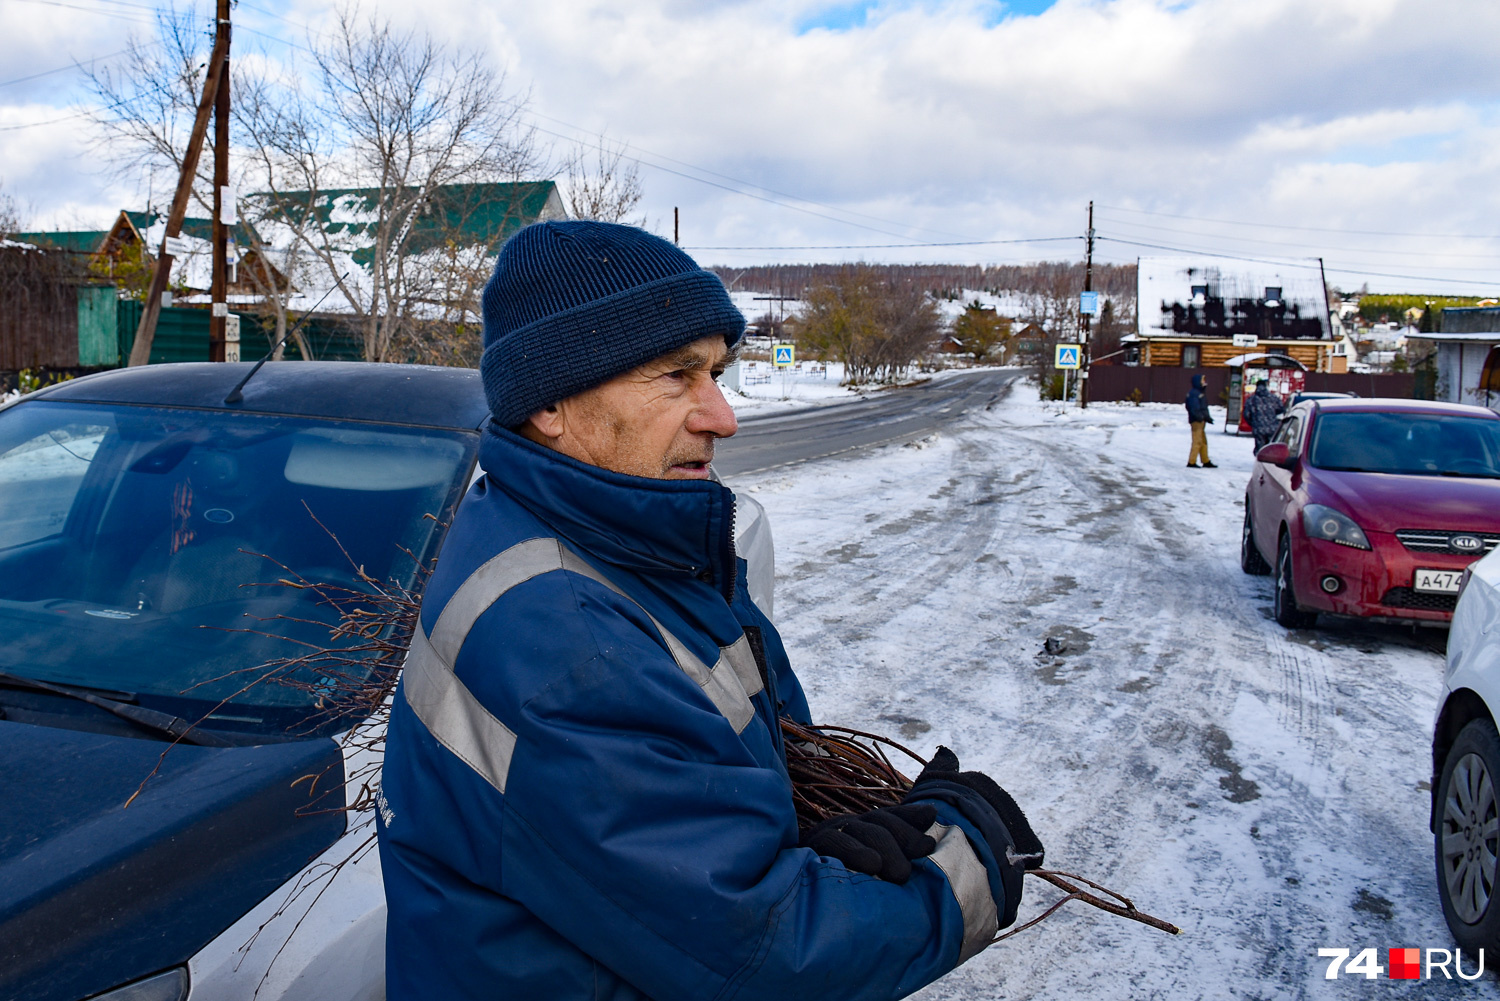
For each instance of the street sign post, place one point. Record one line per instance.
(783, 355)
(1067, 356)
(1088, 303)
(231, 337)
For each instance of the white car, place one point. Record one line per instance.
(1466, 763)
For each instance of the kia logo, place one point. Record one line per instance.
(1466, 543)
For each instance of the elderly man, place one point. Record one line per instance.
(585, 792)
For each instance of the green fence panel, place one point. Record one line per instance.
(182, 333)
(98, 326)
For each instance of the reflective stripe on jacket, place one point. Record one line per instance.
(584, 791)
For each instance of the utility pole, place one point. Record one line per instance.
(676, 241)
(1086, 318)
(145, 333)
(224, 211)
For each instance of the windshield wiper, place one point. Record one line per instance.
(1471, 476)
(172, 726)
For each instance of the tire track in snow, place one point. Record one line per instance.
(936, 608)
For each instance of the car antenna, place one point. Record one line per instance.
(235, 396)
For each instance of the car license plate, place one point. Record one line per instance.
(1437, 581)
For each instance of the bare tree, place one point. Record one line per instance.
(603, 184)
(148, 100)
(1053, 307)
(398, 116)
(876, 327)
(349, 155)
(11, 218)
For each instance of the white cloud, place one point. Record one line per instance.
(935, 118)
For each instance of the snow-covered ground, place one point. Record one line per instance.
(763, 387)
(1264, 789)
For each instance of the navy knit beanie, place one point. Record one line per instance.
(573, 304)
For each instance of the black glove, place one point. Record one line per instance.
(881, 843)
(1015, 846)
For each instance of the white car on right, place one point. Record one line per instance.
(1466, 763)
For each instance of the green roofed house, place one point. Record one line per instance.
(462, 215)
(81, 241)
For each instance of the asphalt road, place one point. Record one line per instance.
(891, 416)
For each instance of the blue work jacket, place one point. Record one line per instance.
(585, 793)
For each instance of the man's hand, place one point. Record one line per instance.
(881, 843)
(1014, 845)
(944, 768)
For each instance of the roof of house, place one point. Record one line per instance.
(1467, 320)
(87, 241)
(1461, 337)
(464, 214)
(1207, 296)
(135, 224)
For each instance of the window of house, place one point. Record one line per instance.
(1273, 295)
(1191, 354)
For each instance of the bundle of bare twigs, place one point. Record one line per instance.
(837, 771)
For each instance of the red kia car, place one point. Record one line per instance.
(1373, 508)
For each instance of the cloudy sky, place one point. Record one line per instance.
(1365, 132)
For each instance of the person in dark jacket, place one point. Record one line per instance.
(585, 792)
(1198, 417)
(1263, 410)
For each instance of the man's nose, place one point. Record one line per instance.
(713, 414)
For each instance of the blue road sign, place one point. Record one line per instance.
(783, 356)
(1067, 356)
(1088, 303)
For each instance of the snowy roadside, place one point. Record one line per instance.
(765, 390)
(1265, 790)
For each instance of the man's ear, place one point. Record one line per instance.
(548, 422)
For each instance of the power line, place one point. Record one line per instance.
(737, 191)
(71, 66)
(1297, 264)
(1319, 247)
(97, 11)
(727, 177)
(900, 246)
(1307, 229)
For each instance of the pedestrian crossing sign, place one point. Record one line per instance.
(783, 355)
(1067, 356)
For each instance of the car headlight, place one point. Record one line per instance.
(169, 986)
(1321, 522)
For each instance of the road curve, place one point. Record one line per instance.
(895, 415)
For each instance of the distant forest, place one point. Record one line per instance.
(1114, 281)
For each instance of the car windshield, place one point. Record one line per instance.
(148, 550)
(1407, 443)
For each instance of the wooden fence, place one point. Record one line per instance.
(1170, 385)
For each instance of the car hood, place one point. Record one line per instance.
(1384, 502)
(94, 893)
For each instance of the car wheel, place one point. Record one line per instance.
(1251, 561)
(1287, 612)
(1468, 837)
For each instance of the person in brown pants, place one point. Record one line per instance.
(1198, 418)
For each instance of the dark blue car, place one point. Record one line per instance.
(144, 526)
